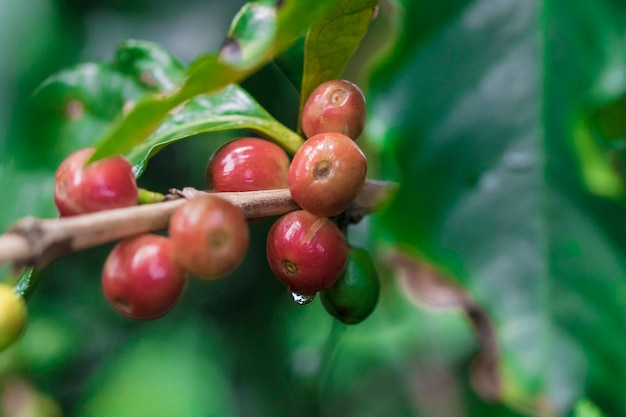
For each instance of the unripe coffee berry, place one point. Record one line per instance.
(12, 316)
(210, 236)
(354, 295)
(105, 184)
(326, 174)
(141, 279)
(306, 252)
(334, 106)
(247, 164)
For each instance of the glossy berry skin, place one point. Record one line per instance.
(210, 236)
(13, 315)
(102, 185)
(354, 295)
(247, 164)
(334, 106)
(306, 252)
(326, 174)
(141, 278)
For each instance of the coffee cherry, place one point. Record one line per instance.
(306, 252)
(102, 185)
(12, 316)
(354, 295)
(247, 164)
(326, 174)
(210, 236)
(334, 106)
(141, 278)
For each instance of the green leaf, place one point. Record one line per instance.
(28, 193)
(165, 371)
(475, 114)
(331, 42)
(291, 62)
(259, 32)
(231, 109)
(74, 107)
(585, 408)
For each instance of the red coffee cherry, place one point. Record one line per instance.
(210, 236)
(102, 185)
(306, 252)
(247, 164)
(141, 279)
(334, 106)
(326, 174)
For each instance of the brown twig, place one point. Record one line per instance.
(36, 242)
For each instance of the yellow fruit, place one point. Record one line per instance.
(12, 316)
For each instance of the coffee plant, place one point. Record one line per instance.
(313, 208)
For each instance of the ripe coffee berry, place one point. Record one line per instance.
(354, 295)
(102, 185)
(334, 106)
(141, 279)
(306, 252)
(247, 164)
(12, 316)
(210, 236)
(326, 174)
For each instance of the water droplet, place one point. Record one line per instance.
(301, 299)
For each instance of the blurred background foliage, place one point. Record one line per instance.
(500, 119)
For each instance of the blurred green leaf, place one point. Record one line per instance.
(390, 364)
(164, 372)
(233, 108)
(585, 408)
(331, 42)
(30, 193)
(477, 121)
(74, 107)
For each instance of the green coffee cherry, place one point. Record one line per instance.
(12, 316)
(354, 295)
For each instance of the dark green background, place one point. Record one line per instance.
(481, 110)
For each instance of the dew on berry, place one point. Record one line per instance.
(302, 299)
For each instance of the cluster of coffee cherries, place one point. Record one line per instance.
(144, 276)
